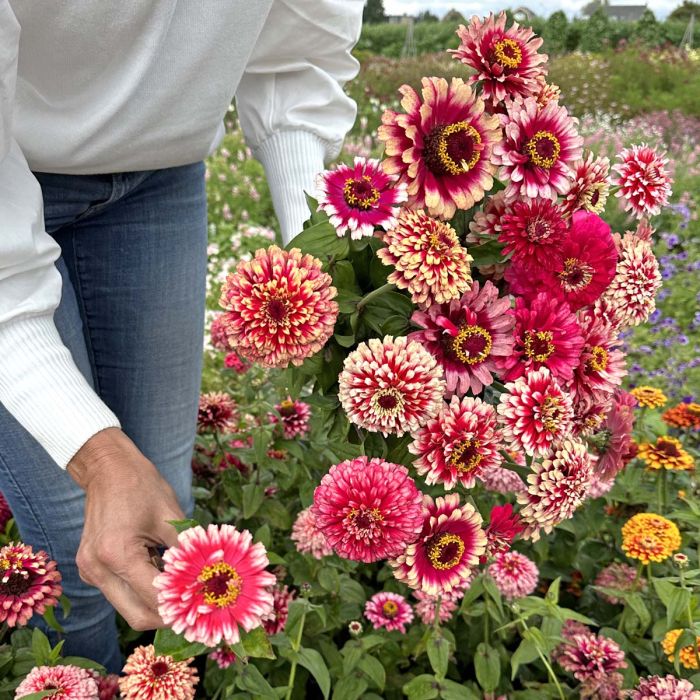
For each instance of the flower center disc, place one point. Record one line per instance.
(221, 584)
(363, 522)
(387, 402)
(452, 150)
(598, 360)
(159, 668)
(15, 580)
(390, 609)
(507, 53)
(465, 456)
(543, 149)
(472, 344)
(576, 275)
(538, 345)
(360, 194)
(667, 448)
(276, 310)
(550, 413)
(538, 230)
(287, 408)
(445, 551)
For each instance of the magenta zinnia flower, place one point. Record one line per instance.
(217, 413)
(390, 386)
(590, 656)
(664, 688)
(458, 444)
(426, 606)
(359, 198)
(389, 610)
(294, 416)
(615, 438)
(643, 180)
(368, 509)
(69, 682)
(505, 60)
(151, 677)
(29, 583)
(500, 480)
(515, 575)
(441, 147)
(280, 307)
(107, 686)
(556, 487)
(447, 550)
(621, 577)
(5, 512)
(223, 657)
(275, 621)
(535, 412)
(546, 335)
(213, 582)
(427, 258)
(581, 272)
(504, 526)
(309, 539)
(590, 185)
(469, 337)
(539, 148)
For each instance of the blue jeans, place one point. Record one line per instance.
(132, 314)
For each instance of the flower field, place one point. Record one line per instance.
(447, 438)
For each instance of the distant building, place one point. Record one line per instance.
(523, 14)
(625, 13)
(398, 19)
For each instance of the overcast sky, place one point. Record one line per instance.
(542, 7)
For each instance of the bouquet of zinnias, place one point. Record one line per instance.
(456, 310)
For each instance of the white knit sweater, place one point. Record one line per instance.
(101, 87)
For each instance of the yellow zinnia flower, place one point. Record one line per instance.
(650, 537)
(649, 396)
(686, 655)
(667, 453)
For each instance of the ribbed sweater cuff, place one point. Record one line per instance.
(43, 389)
(292, 159)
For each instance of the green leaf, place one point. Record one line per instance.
(352, 653)
(321, 241)
(253, 496)
(639, 608)
(168, 643)
(40, 694)
(350, 688)
(438, 649)
(251, 679)
(487, 665)
(257, 644)
(345, 341)
(313, 662)
(65, 606)
(41, 648)
(182, 525)
(455, 691)
(553, 591)
(664, 589)
(351, 591)
(488, 253)
(51, 621)
(329, 579)
(423, 687)
(82, 662)
(525, 653)
(677, 606)
(374, 670)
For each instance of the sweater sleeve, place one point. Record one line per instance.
(290, 101)
(40, 384)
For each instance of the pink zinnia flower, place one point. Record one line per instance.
(426, 605)
(151, 677)
(368, 509)
(505, 60)
(458, 444)
(613, 442)
(213, 582)
(515, 575)
(277, 619)
(540, 146)
(487, 220)
(29, 583)
(664, 688)
(294, 416)
(441, 147)
(280, 307)
(643, 179)
(504, 526)
(533, 231)
(535, 412)
(590, 185)
(590, 657)
(217, 413)
(582, 271)
(223, 657)
(309, 539)
(392, 385)
(427, 258)
(470, 337)
(447, 550)
(556, 487)
(217, 331)
(589, 412)
(5, 512)
(621, 577)
(70, 682)
(234, 362)
(501, 480)
(359, 198)
(107, 686)
(389, 610)
(546, 335)
(630, 297)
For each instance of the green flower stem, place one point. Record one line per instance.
(498, 386)
(664, 488)
(545, 661)
(486, 622)
(296, 645)
(689, 613)
(436, 621)
(373, 294)
(638, 575)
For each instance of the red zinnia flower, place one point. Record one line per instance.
(390, 386)
(643, 179)
(309, 539)
(275, 621)
(29, 583)
(368, 509)
(223, 657)
(441, 147)
(107, 686)
(280, 307)
(540, 146)
(533, 232)
(389, 610)
(5, 512)
(447, 550)
(535, 412)
(214, 581)
(504, 526)
(505, 60)
(217, 413)
(151, 677)
(427, 257)
(546, 335)
(581, 272)
(457, 445)
(69, 682)
(294, 417)
(469, 337)
(590, 187)
(359, 198)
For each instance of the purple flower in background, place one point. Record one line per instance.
(682, 339)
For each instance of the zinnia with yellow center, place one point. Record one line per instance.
(649, 396)
(666, 453)
(649, 537)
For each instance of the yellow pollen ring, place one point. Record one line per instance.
(233, 584)
(456, 456)
(512, 60)
(535, 156)
(392, 393)
(468, 332)
(572, 265)
(543, 337)
(436, 549)
(353, 200)
(599, 358)
(448, 163)
(390, 608)
(551, 408)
